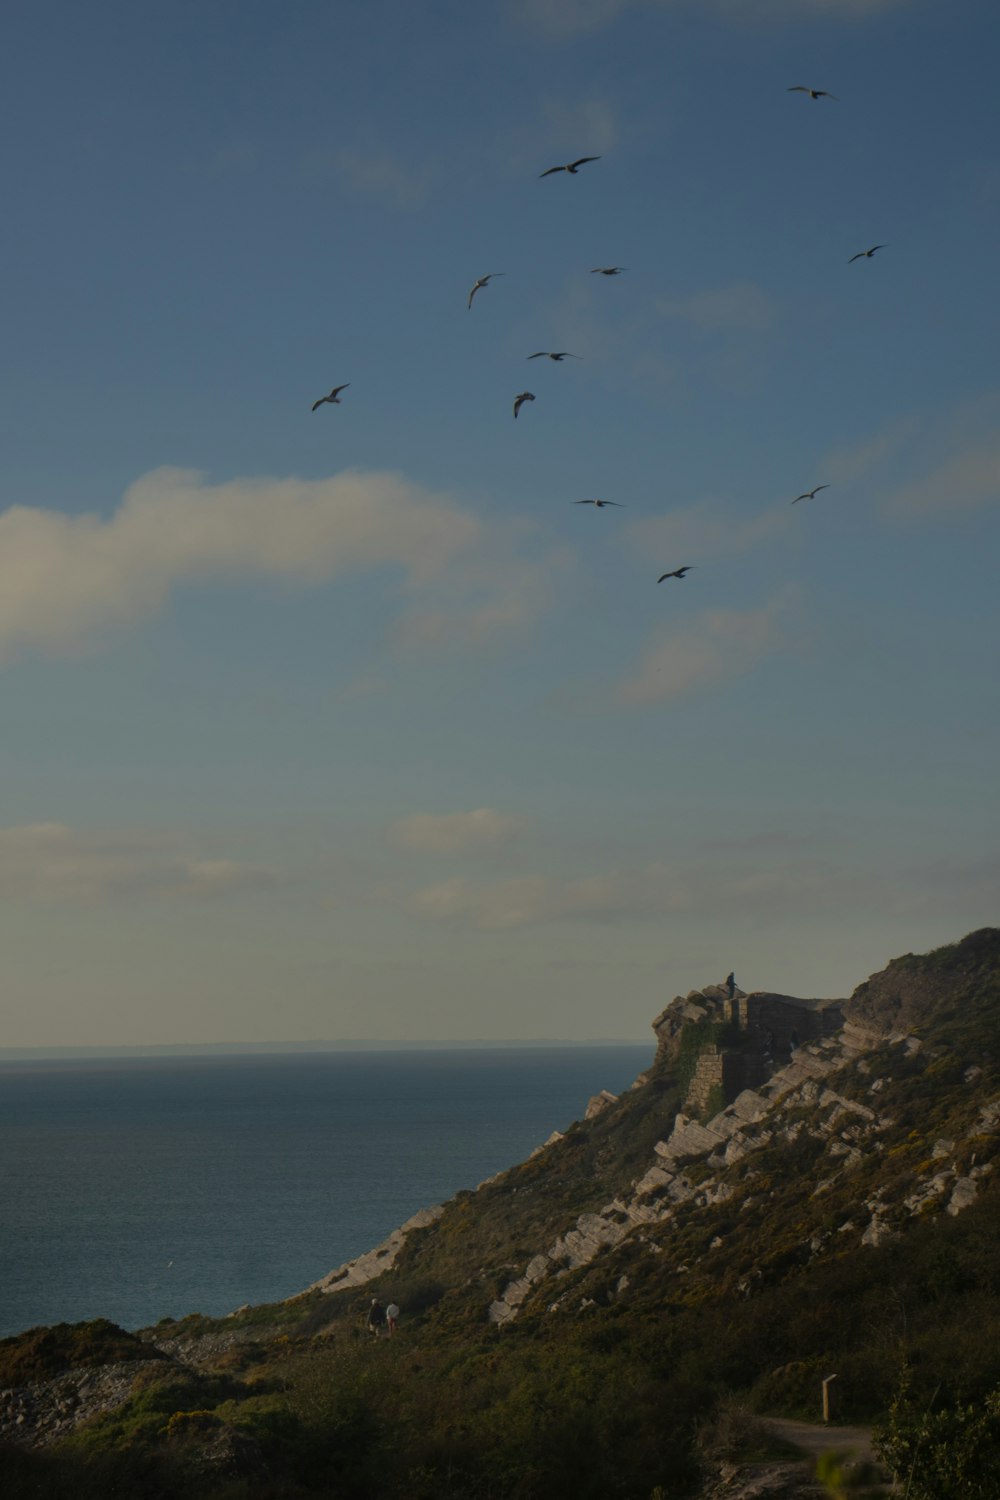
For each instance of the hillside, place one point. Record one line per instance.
(794, 1189)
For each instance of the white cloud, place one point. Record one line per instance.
(708, 648)
(967, 480)
(936, 464)
(849, 464)
(457, 833)
(704, 530)
(523, 901)
(65, 579)
(776, 881)
(490, 598)
(742, 307)
(379, 174)
(53, 862)
(654, 891)
(565, 17)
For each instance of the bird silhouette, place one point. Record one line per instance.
(600, 503)
(866, 254)
(484, 281)
(570, 166)
(801, 88)
(334, 396)
(810, 494)
(608, 270)
(677, 573)
(521, 399)
(544, 354)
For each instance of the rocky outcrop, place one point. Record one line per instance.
(365, 1268)
(703, 1163)
(42, 1411)
(905, 994)
(745, 1037)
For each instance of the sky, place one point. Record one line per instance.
(352, 723)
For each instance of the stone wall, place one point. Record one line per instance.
(708, 1075)
(769, 1028)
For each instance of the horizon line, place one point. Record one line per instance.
(349, 1044)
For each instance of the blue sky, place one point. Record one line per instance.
(350, 723)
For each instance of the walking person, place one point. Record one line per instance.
(392, 1318)
(376, 1318)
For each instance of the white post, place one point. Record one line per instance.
(828, 1397)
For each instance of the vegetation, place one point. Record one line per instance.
(44, 1352)
(949, 1449)
(628, 1375)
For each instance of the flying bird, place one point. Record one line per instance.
(800, 88)
(484, 281)
(866, 254)
(570, 166)
(544, 354)
(334, 396)
(810, 494)
(677, 573)
(608, 270)
(600, 503)
(521, 399)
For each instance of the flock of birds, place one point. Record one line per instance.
(558, 355)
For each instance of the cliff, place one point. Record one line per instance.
(794, 1187)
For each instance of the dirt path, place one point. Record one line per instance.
(815, 1438)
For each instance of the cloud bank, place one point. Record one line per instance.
(53, 862)
(710, 647)
(778, 884)
(65, 580)
(743, 307)
(643, 894)
(932, 465)
(457, 833)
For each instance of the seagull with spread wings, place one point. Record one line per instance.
(333, 398)
(608, 270)
(600, 503)
(570, 167)
(677, 573)
(563, 354)
(810, 494)
(866, 254)
(521, 399)
(483, 281)
(801, 88)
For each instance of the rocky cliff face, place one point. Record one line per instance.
(701, 1166)
(834, 1082)
(770, 1136)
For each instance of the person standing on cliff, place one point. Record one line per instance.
(731, 984)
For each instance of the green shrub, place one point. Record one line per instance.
(948, 1451)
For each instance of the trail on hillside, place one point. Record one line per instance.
(815, 1438)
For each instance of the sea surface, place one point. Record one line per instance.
(139, 1188)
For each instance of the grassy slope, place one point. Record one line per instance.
(606, 1399)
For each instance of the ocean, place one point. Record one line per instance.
(138, 1188)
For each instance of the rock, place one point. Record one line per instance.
(963, 1194)
(382, 1258)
